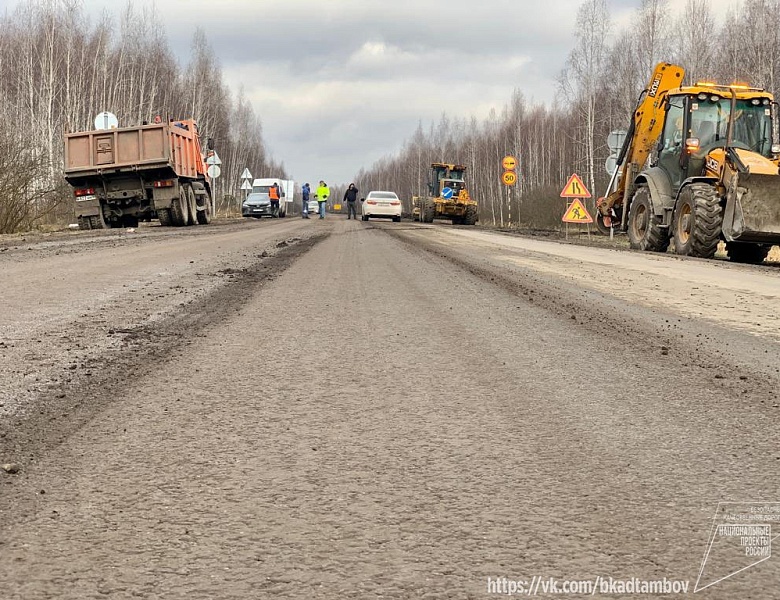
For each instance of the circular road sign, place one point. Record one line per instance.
(509, 178)
(214, 171)
(106, 120)
(509, 163)
(446, 193)
(615, 140)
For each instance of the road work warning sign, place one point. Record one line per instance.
(577, 213)
(574, 188)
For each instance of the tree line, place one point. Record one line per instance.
(60, 68)
(598, 86)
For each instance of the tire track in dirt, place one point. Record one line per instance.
(70, 404)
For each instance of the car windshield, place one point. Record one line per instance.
(382, 196)
(256, 197)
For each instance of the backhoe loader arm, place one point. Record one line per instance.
(646, 126)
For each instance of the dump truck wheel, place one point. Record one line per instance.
(644, 231)
(164, 215)
(204, 216)
(98, 221)
(753, 254)
(697, 221)
(84, 223)
(179, 210)
(471, 216)
(192, 206)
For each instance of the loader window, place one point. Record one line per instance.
(752, 125)
(673, 131)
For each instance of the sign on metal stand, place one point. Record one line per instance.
(509, 179)
(576, 211)
(246, 176)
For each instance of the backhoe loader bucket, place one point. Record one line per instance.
(753, 209)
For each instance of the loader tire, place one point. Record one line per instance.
(427, 211)
(192, 206)
(164, 215)
(471, 216)
(752, 254)
(204, 216)
(644, 230)
(698, 217)
(179, 210)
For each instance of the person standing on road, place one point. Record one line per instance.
(305, 193)
(273, 195)
(350, 197)
(322, 197)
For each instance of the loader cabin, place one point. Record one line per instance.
(697, 121)
(446, 175)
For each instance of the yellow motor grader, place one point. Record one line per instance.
(712, 172)
(448, 197)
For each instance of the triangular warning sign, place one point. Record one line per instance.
(577, 213)
(574, 188)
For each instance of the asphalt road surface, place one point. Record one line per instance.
(337, 409)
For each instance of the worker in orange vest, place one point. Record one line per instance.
(274, 196)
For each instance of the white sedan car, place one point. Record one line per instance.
(382, 204)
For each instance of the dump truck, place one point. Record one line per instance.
(448, 197)
(122, 175)
(699, 165)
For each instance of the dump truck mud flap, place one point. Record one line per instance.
(87, 208)
(752, 211)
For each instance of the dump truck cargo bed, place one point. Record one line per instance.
(170, 146)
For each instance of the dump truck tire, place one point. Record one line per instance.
(179, 210)
(644, 231)
(204, 216)
(164, 215)
(427, 211)
(752, 254)
(471, 216)
(98, 221)
(697, 222)
(84, 223)
(192, 206)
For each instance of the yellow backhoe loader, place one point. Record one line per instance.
(712, 172)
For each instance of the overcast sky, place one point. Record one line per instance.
(340, 83)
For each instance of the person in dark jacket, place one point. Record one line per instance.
(305, 193)
(350, 197)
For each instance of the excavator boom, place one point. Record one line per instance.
(643, 133)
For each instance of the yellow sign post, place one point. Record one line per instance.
(509, 163)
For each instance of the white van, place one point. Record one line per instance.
(286, 187)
